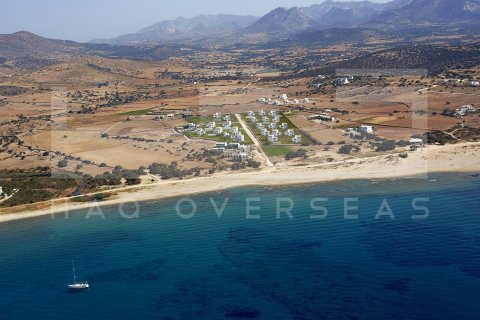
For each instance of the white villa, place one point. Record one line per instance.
(239, 137)
(211, 125)
(264, 132)
(284, 126)
(290, 132)
(217, 115)
(272, 138)
(200, 131)
(272, 125)
(240, 157)
(218, 130)
(297, 139)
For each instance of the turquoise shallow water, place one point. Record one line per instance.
(163, 267)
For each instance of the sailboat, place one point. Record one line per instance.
(77, 285)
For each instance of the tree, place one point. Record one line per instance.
(62, 163)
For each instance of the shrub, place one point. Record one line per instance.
(387, 145)
(300, 153)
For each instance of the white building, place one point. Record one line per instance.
(276, 132)
(290, 133)
(218, 130)
(260, 126)
(240, 157)
(211, 125)
(284, 126)
(234, 130)
(200, 131)
(297, 139)
(365, 129)
(415, 141)
(264, 132)
(227, 117)
(191, 126)
(250, 114)
(342, 81)
(272, 138)
(217, 115)
(227, 124)
(226, 135)
(284, 97)
(474, 83)
(276, 119)
(261, 113)
(265, 119)
(272, 125)
(239, 137)
(463, 110)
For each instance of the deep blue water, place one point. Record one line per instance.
(163, 267)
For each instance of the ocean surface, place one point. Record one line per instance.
(255, 265)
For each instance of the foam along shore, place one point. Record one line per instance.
(463, 157)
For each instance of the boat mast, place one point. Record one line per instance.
(74, 276)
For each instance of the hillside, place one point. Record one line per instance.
(433, 59)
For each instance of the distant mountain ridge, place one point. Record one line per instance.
(328, 14)
(420, 11)
(284, 20)
(183, 28)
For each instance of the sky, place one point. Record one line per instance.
(84, 20)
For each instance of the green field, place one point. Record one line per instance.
(141, 112)
(276, 151)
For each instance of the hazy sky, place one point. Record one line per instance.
(83, 20)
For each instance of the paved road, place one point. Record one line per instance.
(255, 141)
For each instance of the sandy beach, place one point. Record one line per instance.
(463, 157)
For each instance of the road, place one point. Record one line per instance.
(255, 141)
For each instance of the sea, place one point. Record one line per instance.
(362, 249)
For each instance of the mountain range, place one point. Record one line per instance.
(328, 14)
(399, 22)
(183, 29)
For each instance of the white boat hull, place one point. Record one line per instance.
(78, 286)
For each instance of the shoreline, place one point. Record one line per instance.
(457, 158)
